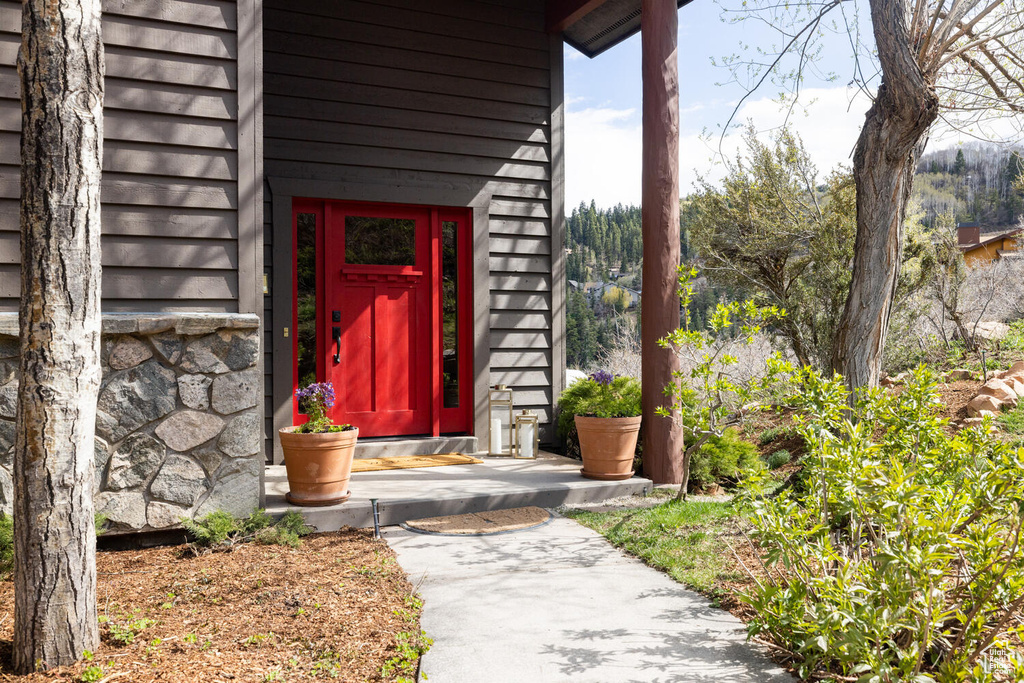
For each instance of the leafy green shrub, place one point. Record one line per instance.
(599, 395)
(774, 433)
(6, 545)
(900, 559)
(219, 529)
(778, 459)
(722, 459)
(212, 530)
(287, 531)
(1014, 339)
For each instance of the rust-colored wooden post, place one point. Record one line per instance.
(663, 441)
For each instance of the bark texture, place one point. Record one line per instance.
(889, 146)
(61, 68)
(663, 439)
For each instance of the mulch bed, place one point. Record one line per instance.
(329, 609)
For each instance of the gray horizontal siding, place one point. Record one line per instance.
(452, 95)
(170, 167)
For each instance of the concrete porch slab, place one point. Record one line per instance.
(391, 448)
(495, 484)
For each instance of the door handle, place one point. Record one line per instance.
(336, 335)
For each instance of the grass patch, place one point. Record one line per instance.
(1012, 421)
(682, 538)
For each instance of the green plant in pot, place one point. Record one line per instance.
(605, 410)
(318, 454)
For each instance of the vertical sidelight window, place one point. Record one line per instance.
(450, 312)
(305, 278)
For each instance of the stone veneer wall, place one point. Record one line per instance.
(179, 422)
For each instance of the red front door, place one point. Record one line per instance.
(392, 292)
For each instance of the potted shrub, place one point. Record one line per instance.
(605, 410)
(318, 454)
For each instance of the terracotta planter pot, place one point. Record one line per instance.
(318, 465)
(607, 445)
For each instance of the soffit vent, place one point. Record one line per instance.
(609, 24)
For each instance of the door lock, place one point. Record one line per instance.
(336, 336)
(335, 316)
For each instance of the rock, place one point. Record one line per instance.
(238, 495)
(180, 480)
(1016, 385)
(991, 330)
(164, 515)
(10, 346)
(222, 351)
(9, 399)
(134, 462)
(237, 391)
(8, 370)
(155, 323)
(6, 492)
(8, 433)
(242, 436)
(168, 345)
(119, 323)
(200, 323)
(134, 398)
(187, 429)
(893, 381)
(999, 390)
(1016, 370)
(194, 391)
(957, 375)
(210, 459)
(241, 465)
(123, 511)
(127, 352)
(983, 403)
(101, 456)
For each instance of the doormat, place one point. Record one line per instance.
(404, 462)
(481, 523)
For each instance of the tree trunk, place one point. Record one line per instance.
(890, 144)
(61, 67)
(663, 439)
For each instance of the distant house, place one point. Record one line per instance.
(598, 293)
(983, 248)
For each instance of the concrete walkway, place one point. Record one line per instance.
(558, 603)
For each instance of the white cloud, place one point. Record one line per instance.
(603, 145)
(602, 156)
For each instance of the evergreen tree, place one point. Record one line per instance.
(960, 165)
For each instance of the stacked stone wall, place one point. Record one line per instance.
(179, 418)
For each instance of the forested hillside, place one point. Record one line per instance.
(977, 180)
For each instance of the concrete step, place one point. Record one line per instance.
(495, 484)
(391, 448)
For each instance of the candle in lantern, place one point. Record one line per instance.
(495, 435)
(526, 440)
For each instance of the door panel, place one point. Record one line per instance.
(376, 258)
(393, 314)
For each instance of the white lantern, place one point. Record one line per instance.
(499, 420)
(527, 428)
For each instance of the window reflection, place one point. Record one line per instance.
(450, 312)
(380, 241)
(305, 272)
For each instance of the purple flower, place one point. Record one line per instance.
(603, 378)
(321, 395)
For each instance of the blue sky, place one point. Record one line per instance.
(603, 100)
